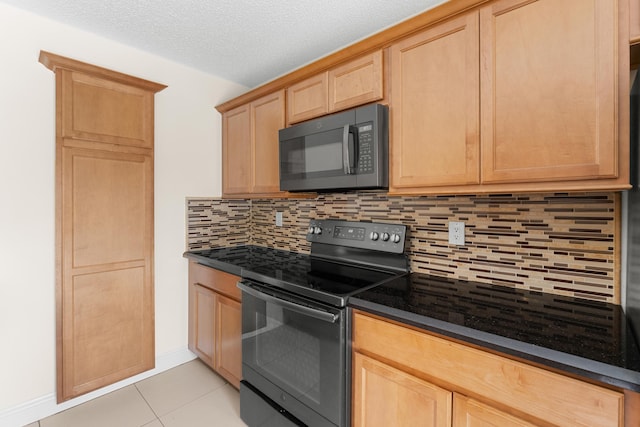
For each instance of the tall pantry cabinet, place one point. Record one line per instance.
(104, 225)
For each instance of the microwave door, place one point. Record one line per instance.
(323, 160)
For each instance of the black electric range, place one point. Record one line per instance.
(295, 358)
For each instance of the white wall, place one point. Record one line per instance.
(187, 163)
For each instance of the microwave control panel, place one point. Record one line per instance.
(365, 148)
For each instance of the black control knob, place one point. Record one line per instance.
(374, 236)
(395, 238)
(385, 236)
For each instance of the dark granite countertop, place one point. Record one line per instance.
(586, 338)
(234, 259)
(582, 337)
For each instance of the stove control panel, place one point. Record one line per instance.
(365, 235)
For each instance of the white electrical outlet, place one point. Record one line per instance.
(278, 219)
(456, 233)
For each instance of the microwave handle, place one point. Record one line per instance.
(349, 149)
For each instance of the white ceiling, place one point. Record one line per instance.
(248, 42)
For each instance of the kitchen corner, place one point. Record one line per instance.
(521, 301)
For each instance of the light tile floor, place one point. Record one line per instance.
(189, 395)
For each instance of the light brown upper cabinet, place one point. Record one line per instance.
(104, 225)
(308, 98)
(549, 90)
(250, 147)
(435, 106)
(634, 21)
(553, 95)
(237, 153)
(356, 82)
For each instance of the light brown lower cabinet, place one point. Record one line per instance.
(471, 413)
(407, 377)
(385, 396)
(215, 320)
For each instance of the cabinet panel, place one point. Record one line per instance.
(202, 309)
(96, 109)
(634, 21)
(308, 99)
(237, 152)
(435, 106)
(105, 311)
(385, 396)
(229, 339)
(358, 82)
(267, 116)
(108, 206)
(548, 90)
(471, 413)
(106, 331)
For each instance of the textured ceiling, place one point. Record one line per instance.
(245, 41)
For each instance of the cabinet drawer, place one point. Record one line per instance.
(529, 390)
(216, 280)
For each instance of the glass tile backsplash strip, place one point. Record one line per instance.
(558, 243)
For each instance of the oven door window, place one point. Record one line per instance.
(299, 353)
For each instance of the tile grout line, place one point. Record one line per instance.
(149, 405)
(224, 383)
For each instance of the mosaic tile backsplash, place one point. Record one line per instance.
(558, 243)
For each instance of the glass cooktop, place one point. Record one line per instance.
(234, 259)
(325, 281)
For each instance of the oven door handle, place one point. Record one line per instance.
(302, 309)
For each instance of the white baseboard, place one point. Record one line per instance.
(45, 406)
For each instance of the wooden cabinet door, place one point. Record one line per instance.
(267, 116)
(228, 321)
(549, 97)
(107, 111)
(356, 82)
(634, 21)
(435, 106)
(202, 309)
(237, 154)
(105, 295)
(471, 413)
(384, 396)
(215, 320)
(308, 99)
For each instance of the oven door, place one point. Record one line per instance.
(294, 352)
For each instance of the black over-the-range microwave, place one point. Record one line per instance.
(342, 151)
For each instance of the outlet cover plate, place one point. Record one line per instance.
(456, 233)
(278, 219)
